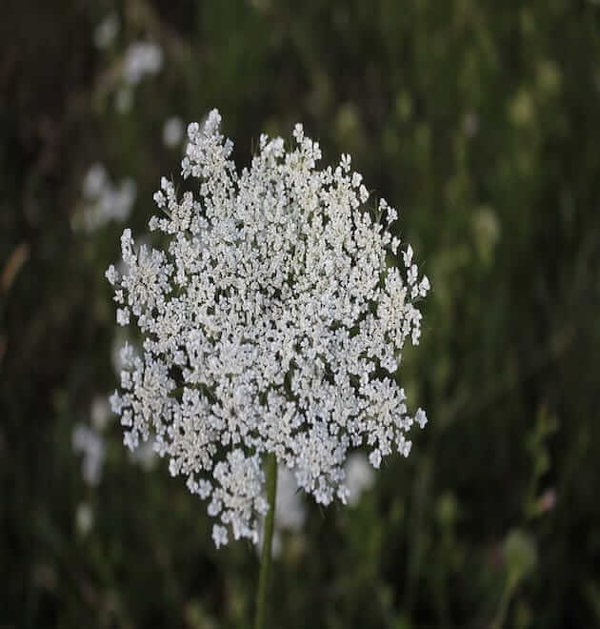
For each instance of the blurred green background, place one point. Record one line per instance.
(480, 122)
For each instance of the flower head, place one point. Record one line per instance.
(272, 321)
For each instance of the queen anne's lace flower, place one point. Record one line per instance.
(272, 322)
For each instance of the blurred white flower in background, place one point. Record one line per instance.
(84, 518)
(173, 132)
(89, 443)
(120, 339)
(87, 440)
(95, 181)
(104, 201)
(124, 99)
(360, 476)
(106, 31)
(290, 510)
(145, 456)
(100, 413)
(141, 59)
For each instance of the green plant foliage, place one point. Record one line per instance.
(480, 122)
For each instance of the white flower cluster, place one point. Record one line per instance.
(272, 322)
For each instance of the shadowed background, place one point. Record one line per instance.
(480, 122)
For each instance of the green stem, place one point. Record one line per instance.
(265, 562)
(500, 618)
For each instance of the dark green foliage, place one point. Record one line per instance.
(480, 121)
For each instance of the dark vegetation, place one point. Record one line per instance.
(480, 121)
